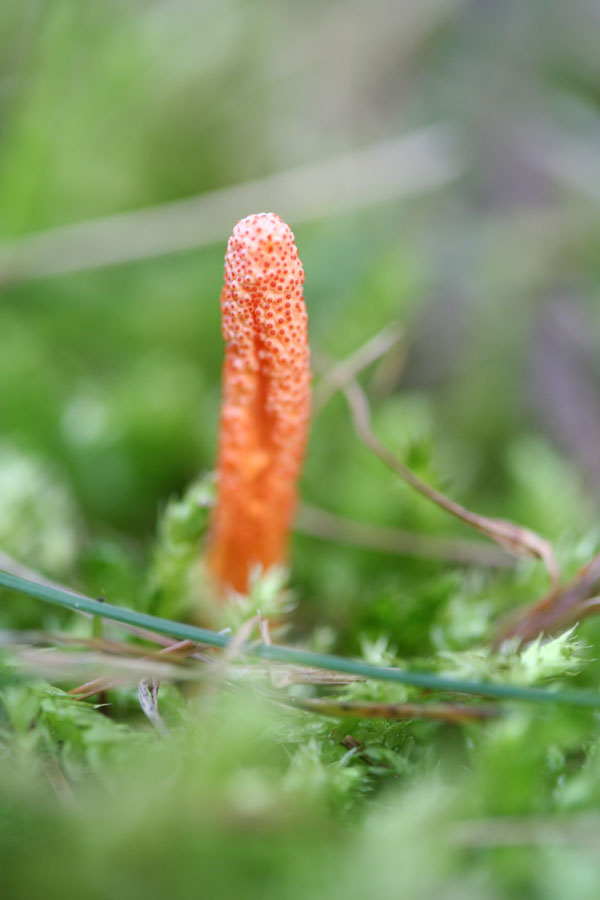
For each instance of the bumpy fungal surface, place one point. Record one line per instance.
(266, 400)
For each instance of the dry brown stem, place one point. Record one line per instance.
(514, 538)
(558, 610)
(439, 712)
(325, 525)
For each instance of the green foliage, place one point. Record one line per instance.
(176, 583)
(38, 516)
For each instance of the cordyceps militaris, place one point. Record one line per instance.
(266, 401)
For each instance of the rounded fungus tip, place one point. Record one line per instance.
(266, 400)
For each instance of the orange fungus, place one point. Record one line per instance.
(266, 400)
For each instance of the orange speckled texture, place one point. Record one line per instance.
(266, 400)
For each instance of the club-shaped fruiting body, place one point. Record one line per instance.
(265, 403)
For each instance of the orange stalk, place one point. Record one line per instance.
(266, 400)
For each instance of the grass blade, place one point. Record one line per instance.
(294, 656)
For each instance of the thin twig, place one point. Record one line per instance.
(174, 653)
(557, 611)
(68, 666)
(322, 524)
(286, 675)
(340, 373)
(439, 712)
(511, 537)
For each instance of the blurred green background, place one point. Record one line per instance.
(111, 372)
(438, 162)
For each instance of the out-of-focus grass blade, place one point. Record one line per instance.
(379, 173)
(293, 656)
